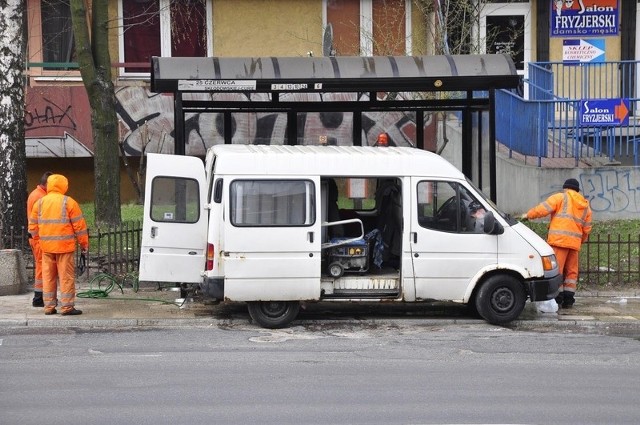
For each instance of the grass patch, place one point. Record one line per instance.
(611, 257)
(128, 212)
(600, 228)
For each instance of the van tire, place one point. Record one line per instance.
(273, 314)
(500, 299)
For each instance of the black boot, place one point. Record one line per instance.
(567, 299)
(560, 299)
(37, 300)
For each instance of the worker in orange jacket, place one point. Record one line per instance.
(57, 222)
(569, 228)
(37, 193)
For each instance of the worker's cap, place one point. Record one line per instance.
(571, 184)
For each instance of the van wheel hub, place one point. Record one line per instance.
(502, 299)
(274, 309)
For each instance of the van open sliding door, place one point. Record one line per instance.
(272, 238)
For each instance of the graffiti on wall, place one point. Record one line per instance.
(50, 115)
(610, 191)
(57, 122)
(147, 121)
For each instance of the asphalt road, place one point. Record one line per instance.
(317, 375)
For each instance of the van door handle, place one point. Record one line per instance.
(414, 235)
(154, 231)
(310, 236)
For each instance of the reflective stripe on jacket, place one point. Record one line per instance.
(57, 219)
(570, 218)
(34, 197)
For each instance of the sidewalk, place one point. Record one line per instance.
(153, 307)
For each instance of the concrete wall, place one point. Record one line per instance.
(613, 191)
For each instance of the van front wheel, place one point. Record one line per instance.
(273, 314)
(500, 299)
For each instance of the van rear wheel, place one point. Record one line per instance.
(273, 314)
(500, 299)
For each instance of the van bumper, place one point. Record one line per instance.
(544, 289)
(213, 287)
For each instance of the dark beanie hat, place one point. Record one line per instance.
(571, 184)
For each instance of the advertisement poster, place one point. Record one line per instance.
(578, 51)
(580, 18)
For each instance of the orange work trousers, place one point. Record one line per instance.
(568, 264)
(37, 263)
(58, 267)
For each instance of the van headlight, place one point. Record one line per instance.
(549, 262)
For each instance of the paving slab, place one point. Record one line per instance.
(158, 307)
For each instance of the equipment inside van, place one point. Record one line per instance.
(274, 226)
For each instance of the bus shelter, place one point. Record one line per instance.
(351, 98)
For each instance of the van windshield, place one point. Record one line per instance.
(503, 214)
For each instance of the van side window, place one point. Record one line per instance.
(272, 203)
(217, 194)
(175, 199)
(450, 207)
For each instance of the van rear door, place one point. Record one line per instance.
(174, 231)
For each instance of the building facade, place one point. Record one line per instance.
(57, 115)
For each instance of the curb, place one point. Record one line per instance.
(543, 322)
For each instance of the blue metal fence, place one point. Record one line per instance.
(546, 124)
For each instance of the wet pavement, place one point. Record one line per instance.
(162, 307)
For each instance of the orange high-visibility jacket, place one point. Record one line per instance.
(570, 218)
(36, 194)
(57, 220)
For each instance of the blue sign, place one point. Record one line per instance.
(604, 112)
(582, 18)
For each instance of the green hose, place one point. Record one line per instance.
(113, 283)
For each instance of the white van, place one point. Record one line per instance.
(274, 226)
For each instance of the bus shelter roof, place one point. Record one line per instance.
(333, 74)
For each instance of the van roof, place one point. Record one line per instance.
(335, 161)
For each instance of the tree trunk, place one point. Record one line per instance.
(13, 176)
(95, 67)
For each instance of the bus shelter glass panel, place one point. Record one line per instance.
(325, 128)
(400, 127)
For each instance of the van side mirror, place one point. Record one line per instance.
(491, 226)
